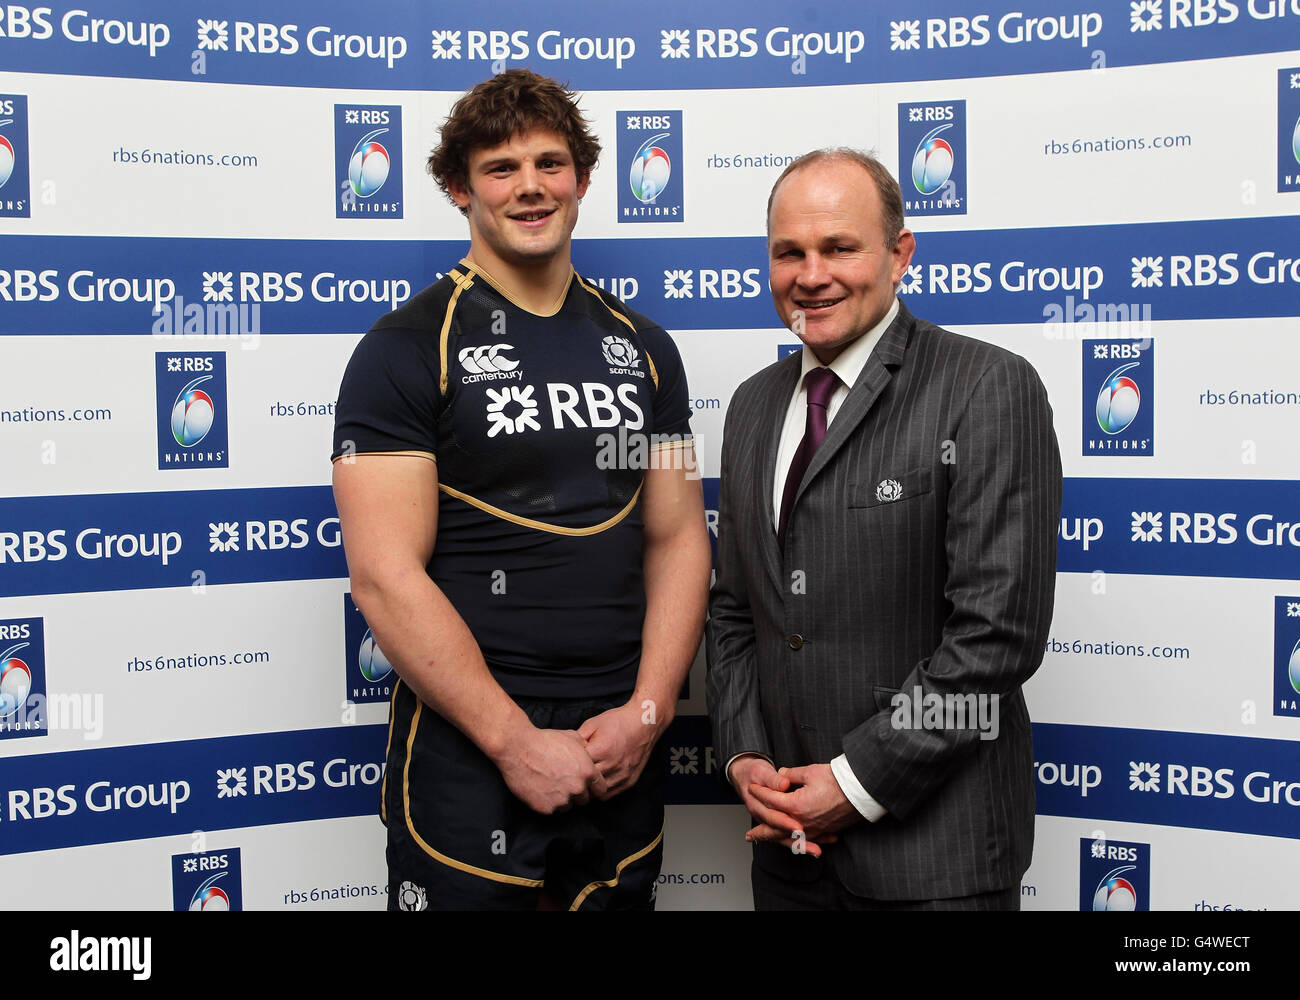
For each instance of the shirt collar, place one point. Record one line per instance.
(848, 365)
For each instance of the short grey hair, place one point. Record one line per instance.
(891, 195)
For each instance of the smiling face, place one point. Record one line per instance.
(832, 275)
(521, 198)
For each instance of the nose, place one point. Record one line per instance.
(813, 272)
(528, 179)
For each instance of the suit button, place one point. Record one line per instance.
(795, 641)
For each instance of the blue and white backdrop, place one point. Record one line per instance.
(190, 709)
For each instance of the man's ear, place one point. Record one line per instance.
(583, 181)
(902, 254)
(459, 191)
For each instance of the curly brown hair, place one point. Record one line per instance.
(510, 104)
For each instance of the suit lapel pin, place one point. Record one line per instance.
(888, 490)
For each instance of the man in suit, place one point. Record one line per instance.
(885, 576)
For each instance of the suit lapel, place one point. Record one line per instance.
(876, 374)
(768, 438)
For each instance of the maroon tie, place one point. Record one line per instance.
(821, 384)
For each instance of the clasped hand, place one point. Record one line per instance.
(551, 770)
(802, 808)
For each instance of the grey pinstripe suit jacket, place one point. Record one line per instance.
(948, 587)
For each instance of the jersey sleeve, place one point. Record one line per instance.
(389, 400)
(672, 408)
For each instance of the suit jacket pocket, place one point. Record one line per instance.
(884, 698)
(890, 488)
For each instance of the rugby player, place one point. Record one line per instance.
(541, 605)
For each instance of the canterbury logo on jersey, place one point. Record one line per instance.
(488, 362)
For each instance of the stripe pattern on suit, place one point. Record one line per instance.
(920, 555)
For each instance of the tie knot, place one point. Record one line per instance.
(821, 384)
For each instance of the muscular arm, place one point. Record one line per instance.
(676, 567)
(388, 509)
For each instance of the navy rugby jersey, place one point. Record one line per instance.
(539, 543)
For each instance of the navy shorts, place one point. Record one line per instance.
(458, 839)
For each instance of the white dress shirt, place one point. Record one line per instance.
(847, 366)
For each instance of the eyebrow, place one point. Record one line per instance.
(787, 242)
(553, 154)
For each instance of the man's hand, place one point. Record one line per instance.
(619, 741)
(751, 775)
(815, 804)
(549, 770)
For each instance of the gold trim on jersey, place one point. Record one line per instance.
(406, 454)
(388, 749)
(676, 443)
(618, 871)
(654, 374)
(527, 522)
(601, 299)
(531, 883)
(462, 282)
(559, 303)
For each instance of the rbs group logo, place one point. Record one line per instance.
(1118, 397)
(22, 678)
(932, 157)
(207, 881)
(369, 675)
(1288, 129)
(650, 151)
(1114, 875)
(367, 161)
(192, 427)
(1286, 656)
(15, 187)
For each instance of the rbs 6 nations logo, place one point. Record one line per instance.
(1118, 397)
(192, 428)
(22, 678)
(367, 161)
(932, 139)
(1286, 656)
(369, 675)
(207, 882)
(1114, 875)
(650, 148)
(15, 195)
(1288, 129)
